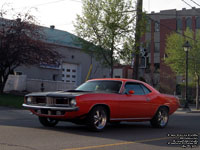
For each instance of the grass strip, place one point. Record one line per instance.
(11, 100)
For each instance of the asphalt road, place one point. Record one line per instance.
(19, 130)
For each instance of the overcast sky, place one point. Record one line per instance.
(61, 13)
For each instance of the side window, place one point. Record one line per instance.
(135, 87)
(146, 90)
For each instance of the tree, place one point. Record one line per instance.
(176, 56)
(22, 42)
(109, 25)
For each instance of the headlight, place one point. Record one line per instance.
(73, 102)
(29, 100)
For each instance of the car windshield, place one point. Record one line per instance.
(101, 86)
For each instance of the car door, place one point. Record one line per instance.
(137, 105)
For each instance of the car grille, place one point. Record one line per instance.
(49, 101)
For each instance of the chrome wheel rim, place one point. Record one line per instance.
(162, 118)
(51, 121)
(100, 119)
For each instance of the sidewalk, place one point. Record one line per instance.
(191, 109)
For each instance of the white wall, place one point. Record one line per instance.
(118, 72)
(15, 83)
(34, 85)
(21, 83)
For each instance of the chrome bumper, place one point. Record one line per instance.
(51, 107)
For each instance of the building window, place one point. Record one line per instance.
(55, 76)
(189, 23)
(17, 73)
(148, 47)
(148, 25)
(198, 22)
(142, 62)
(157, 47)
(179, 25)
(157, 27)
(157, 67)
(117, 77)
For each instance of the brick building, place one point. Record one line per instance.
(159, 26)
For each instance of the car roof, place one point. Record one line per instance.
(117, 79)
(126, 80)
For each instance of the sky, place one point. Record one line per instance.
(62, 13)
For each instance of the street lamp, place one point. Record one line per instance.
(186, 48)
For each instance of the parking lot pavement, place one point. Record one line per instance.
(22, 131)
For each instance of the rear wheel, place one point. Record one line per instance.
(161, 118)
(97, 118)
(48, 122)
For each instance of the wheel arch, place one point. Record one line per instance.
(103, 105)
(162, 106)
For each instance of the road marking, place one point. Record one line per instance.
(117, 144)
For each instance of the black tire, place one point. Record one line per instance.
(97, 118)
(161, 118)
(48, 122)
(78, 122)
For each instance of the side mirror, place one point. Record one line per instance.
(131, 92)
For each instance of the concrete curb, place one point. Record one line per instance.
(188, 110)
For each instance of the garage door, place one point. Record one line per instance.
(69, 72)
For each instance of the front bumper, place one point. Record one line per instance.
(35, 107)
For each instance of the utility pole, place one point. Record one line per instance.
(137, 38)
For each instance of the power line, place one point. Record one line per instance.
(161, 14)
(190, 5)
(187, 3)
(48, 3)
(166, 26)
(52, 2)
(195, 3)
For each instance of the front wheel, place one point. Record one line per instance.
(161, 118)
(48, 122)
(97, 118)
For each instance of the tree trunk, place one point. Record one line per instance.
(111, 72)
(3, 80)
(197, 93)
(111, 65)
(2, 84)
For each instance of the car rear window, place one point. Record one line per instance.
(135, 87)
(146, 90)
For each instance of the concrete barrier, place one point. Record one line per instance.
(15, 83)
(21, 83)
(35, 85)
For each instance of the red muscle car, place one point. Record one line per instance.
(99, 101)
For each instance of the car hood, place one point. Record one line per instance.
(57, 94)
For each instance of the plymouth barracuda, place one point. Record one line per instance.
(100, 101)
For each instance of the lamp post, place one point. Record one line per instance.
(186, 48)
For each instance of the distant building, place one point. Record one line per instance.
(72, 68)
(123, 71)
(159, 26)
